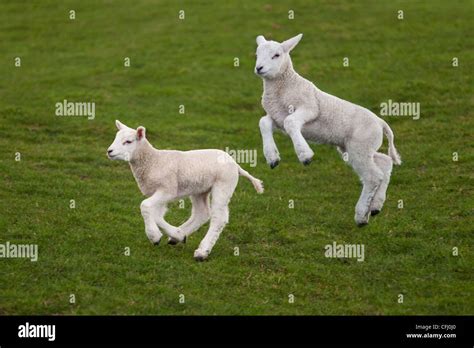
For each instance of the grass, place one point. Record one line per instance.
(81, 251)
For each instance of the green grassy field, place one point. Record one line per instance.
(190, 62)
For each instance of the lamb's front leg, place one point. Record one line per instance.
(159, 213)
(153, 210)
(293, 124)
(173, 232)
(151, 229)
(270, 150)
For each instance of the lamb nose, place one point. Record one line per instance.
(259, 68)
(110, 151)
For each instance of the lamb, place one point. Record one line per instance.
(297, 107)
(167, 175)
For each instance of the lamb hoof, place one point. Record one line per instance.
(374, 212)
(307, 162)
(157, 243)
(200, 256)
(362, 219)
(274, 164)
(172, 241)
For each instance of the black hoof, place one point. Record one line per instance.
(307, 162)
(362, 224)
(199, 258)
(374, 212)
(157, 243)
(274, 164)
(174, 241)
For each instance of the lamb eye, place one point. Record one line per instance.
(276, 56)
(127, 142)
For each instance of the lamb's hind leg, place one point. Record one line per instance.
(371, 177)
(385, 164)
(221, 195)
(199, 216)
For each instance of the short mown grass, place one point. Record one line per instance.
(190, 62)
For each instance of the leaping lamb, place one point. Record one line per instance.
(167, 175)
(305, 113)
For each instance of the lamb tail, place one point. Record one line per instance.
(258, 184)
(392, 151)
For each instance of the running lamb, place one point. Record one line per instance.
(167, 175)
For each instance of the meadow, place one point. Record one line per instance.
(410, 247)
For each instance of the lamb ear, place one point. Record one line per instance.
(260, 40)
(141, 133)
(289, 44)
(119, 125)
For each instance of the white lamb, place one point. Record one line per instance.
(167, 175)
(304, 112)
